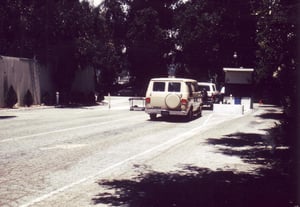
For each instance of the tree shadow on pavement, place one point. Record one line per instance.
(7, 117)
(271, 115)
(272, 184)
(279, 166)
(198, 187)
(76, 106)
(175, 119)
(271, 112)
(252, 148)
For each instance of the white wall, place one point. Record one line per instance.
(23, 75)
(26, 74)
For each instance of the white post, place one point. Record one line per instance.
(109, 101)
(57, 98)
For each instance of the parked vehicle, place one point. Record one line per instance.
(210, 93)
(173, 96)
(128, 91)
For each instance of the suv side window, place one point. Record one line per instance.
(190, 88)
(204, 87)
(196, 87)
(158, 86)
(174, 87)
(214, 88)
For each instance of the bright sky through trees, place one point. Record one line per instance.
(96, 2)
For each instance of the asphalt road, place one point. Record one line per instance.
(62, 156)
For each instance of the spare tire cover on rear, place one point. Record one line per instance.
(172, 101)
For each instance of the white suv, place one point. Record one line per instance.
(173, 96)
(212, 96)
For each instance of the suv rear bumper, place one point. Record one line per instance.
(211, 100)
(165, 112)
(207, 102)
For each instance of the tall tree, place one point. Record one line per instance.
(278, 66)
(276, 54)
(197, 23)
(148, 43)
(15, 22)
(210, 32)
(65, 35)
(113, 58)
(139, 33)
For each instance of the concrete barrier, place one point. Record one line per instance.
(247, 103)
(236, 109)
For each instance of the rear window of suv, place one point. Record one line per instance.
(159, 86)
(174, 87)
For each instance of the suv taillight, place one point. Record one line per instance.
(148, 100)
(184, 101)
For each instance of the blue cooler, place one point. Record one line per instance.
(237, 100)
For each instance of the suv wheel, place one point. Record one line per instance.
(189, 116)
(199, 112)
(152, 116)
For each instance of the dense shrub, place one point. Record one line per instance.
(47, 99)
(11, 97)
(100, 96)
(28, 99)
(64, 98)
(77, 97)
(90, 98)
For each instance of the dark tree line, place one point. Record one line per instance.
(62, 35)
(199, 38)
(196, 38)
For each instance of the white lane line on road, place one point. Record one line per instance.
(166, 144)
(61, 130)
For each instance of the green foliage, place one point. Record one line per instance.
(146, 38)
(198, 37)
(277, 45)
(197, 29)
(90, 99)
(63, 35)
(277, 65)
(28, 98)
(79, 97)
(11, 97)
(209, 32)
(47, 99)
